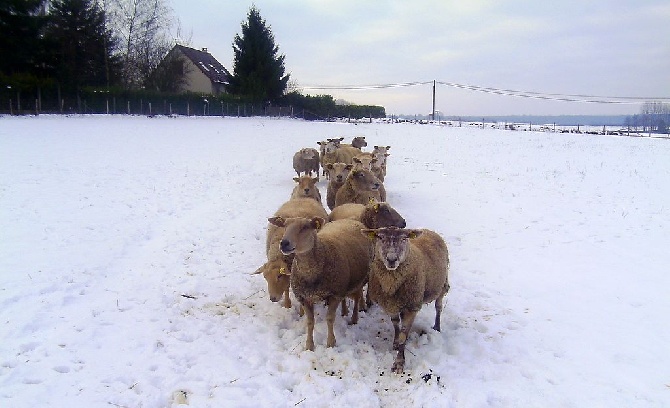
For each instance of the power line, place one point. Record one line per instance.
(615, 100)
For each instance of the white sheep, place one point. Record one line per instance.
(277, 269)
(331, 262)
(409, 267)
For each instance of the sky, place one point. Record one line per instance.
(599, 48)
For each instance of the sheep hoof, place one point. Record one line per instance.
(398, 366)
(309, 346)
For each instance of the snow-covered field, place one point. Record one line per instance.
(127, 243)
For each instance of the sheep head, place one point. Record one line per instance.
(339, 171)
(378, 215)
(364, 180)
(391, 244)
(300, 234)
(277, 275)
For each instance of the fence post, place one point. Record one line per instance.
(149, 108)
(222, 115)
(170, 108)
(188, 109)
(107, 102)
(238, 110)
(128, 106)
(37, 107)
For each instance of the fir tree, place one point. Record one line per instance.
(82, 45)
(258, 71)
(21, 22)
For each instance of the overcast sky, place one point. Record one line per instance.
(599, 48)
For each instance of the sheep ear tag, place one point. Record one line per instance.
(282, 271)
(413, 235)
(372, 235)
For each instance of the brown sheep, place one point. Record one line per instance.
(306, 188)
(381, 153)
(330, 263)
(337, 173)
(277, 269)
(409, 267)
(359, 187)
(332, 152)
(372, 215)
(306, 160)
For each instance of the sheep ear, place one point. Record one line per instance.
(278, 221)
(340, 139)
(388, 147)
(349, 166)
(258, 271)
(315, 179)
(296, 179)
(356, 160)
(317, 223)
(329, 166)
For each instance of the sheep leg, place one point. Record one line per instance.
(345, 309)
(287, 299)
(309, 310)
(333, 302)
(438, 306)
(395, 319)
(407, 322)
(357, 301)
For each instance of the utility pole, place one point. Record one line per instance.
(433, 99)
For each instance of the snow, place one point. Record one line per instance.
(128, 243)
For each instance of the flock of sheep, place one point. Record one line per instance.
(330, 257)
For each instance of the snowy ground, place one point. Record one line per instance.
(127, 243)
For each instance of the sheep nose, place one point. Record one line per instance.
(403, 224)
(306, 191)
(274, 298)
(285, 245)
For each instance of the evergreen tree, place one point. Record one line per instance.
(82, 46)
(21, 22)
(258, 71)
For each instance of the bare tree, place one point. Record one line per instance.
(146, 29)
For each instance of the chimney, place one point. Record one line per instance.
(204, 49)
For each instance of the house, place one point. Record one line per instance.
(202, 72)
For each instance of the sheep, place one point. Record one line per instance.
(359, 187)
(276, 270)
(372, 215)
(409, 267)
(367, 160)
(381, 153)
(337, 173)
(332, 152)
(306, 160)
(306, 188)
(331, 262)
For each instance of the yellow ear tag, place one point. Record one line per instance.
(371, 235)
(282, 271)
(412, 235)
(317, 223)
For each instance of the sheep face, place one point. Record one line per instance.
(308, 153)
(359, 142)
(331, 146)
(392, 244)
(364, 162)
(300, 233)
(277, 276)
(364, 180)
(339, 171)
(306, 188)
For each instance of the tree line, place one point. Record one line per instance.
(78, 55)
(654, 117)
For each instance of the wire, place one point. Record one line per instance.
(616, 100)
